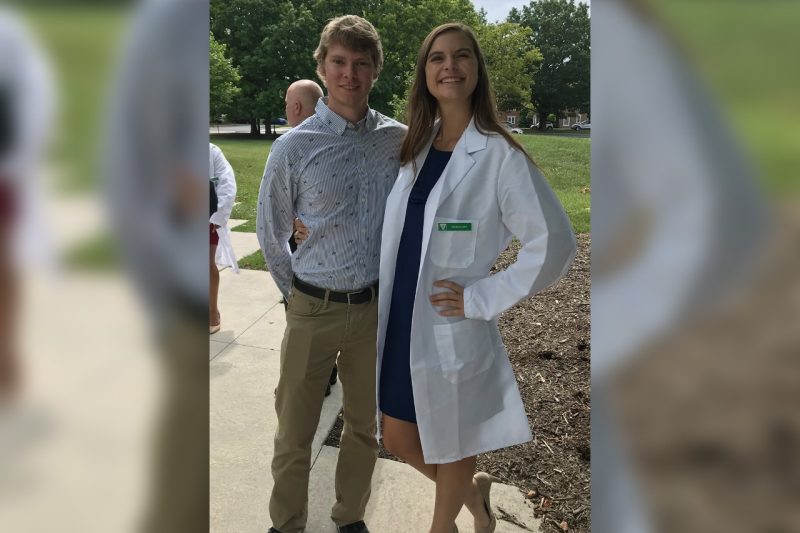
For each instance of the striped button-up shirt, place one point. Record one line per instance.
(334, 176)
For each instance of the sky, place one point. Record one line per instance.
(497, 10)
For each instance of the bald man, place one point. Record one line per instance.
(301, 99)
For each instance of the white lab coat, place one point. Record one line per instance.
(226, 195)
(465, 393)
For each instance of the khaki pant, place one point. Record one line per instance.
(316, 330)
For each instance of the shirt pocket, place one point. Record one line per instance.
(465, 348)
(453, 242)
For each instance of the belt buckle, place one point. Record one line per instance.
(349, 294)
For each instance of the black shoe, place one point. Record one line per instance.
(327, 390)
(334, 374)
(355, 527)
(273, 530)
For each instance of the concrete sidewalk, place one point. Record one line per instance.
(244, 367)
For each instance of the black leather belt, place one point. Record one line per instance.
(361, 296)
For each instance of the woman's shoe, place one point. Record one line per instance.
(213, 329)
(484, 482)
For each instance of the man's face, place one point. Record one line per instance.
(349, 76)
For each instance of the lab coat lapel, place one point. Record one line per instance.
(457, 168)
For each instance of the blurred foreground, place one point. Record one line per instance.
(696, 292)
(104, 423)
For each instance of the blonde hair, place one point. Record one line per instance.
(422, 106)
(354, 33)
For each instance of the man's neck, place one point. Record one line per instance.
(351, 114)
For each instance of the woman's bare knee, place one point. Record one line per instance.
(401, 438)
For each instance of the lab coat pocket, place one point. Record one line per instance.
(453, 242)
(465, 348)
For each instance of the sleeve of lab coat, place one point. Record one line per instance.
(532, 212)
(274, 217)
(226, 187)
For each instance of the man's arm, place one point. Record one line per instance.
(274, 217)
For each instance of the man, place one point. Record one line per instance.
(335, 171)
(301, 99)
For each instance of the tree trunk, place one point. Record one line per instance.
(543, 120)
(255, 130)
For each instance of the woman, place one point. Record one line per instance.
(446, 388)
(224, 185)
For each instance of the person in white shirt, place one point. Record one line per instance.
(224, 183)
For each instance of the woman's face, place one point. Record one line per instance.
(451, 68)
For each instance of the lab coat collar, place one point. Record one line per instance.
(460, 163)
(471, 141)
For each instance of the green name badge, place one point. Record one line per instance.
(455, 226)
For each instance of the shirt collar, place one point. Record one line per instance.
(340, 124)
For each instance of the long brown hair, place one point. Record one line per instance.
(422, 106)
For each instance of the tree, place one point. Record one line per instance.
(403, 25)
(270, 42)
(561, 33)
(223, 78)
(512, 61)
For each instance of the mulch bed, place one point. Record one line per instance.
(547, 339)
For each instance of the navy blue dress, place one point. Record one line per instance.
(396, 395)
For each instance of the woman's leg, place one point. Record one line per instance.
(213, 282)
(453, 486)
(401, 439)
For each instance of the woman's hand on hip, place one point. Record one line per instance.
(451, 302)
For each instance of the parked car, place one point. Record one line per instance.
(585, 125)
(547, 126)
(280, 121)
(518, 131)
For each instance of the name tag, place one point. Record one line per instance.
(455, 226)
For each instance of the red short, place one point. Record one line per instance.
(8, 203)
(214, 236)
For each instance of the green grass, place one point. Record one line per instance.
(741, 51)
(82, 43)
(247, 157)
(564, 161)
(99, 253)
(254, 261)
